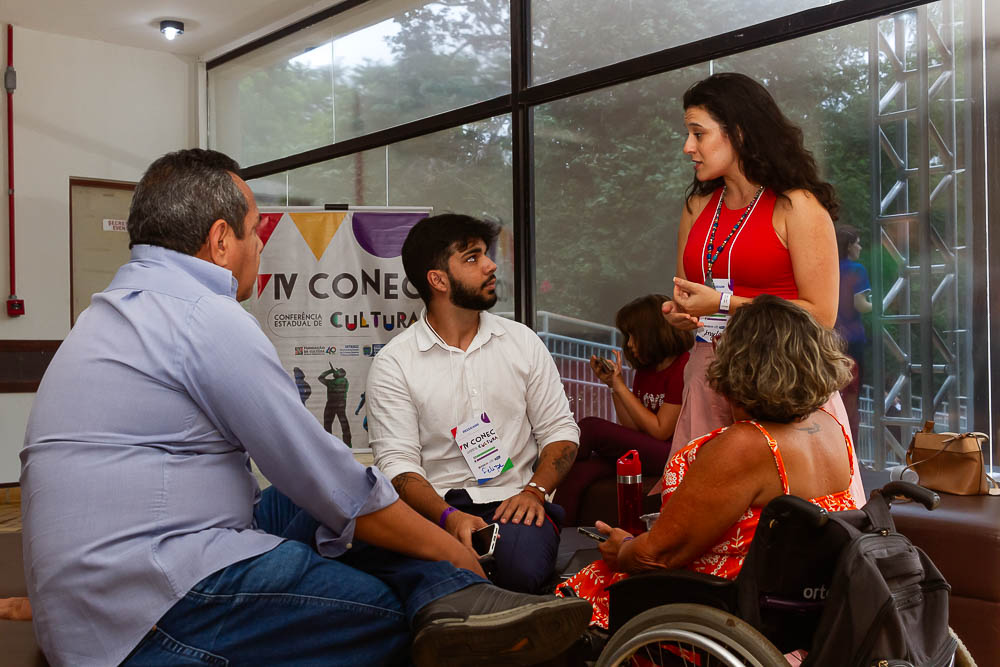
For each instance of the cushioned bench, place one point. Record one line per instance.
(962, 537)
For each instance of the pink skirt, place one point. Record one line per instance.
(703, 410)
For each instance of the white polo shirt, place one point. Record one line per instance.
(420, 388)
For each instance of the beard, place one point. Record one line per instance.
(469, 298)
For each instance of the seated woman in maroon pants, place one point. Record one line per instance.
(646, 413)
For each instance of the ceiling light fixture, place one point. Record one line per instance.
(171, 29)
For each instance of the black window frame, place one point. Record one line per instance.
(524, 97)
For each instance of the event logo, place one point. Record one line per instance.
(350, 351)
(372, 350)
(313, 350)
(343, 285)
(372, 320)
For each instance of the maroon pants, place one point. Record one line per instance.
(601, 444)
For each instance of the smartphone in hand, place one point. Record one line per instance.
(593, 533)
(484, 541)
(606, 365)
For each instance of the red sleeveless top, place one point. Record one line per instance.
(755, 259)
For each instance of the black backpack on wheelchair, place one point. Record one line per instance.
(844, 586)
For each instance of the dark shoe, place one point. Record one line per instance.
(484, 625)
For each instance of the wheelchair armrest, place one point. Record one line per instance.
(634, 595)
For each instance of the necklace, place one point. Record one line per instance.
(709, 257)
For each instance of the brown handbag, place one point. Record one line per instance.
(949, 462)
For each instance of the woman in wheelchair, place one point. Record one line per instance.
(777, 366)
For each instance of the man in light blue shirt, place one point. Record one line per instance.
(146, 538)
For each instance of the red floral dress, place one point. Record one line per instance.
(725, 558)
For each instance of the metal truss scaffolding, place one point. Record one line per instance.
(921, 317)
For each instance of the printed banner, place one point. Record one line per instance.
(331, 292)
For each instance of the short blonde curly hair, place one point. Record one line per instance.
(777, 362)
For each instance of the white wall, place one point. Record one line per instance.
(84, 109)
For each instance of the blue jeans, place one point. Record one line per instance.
(291, 606)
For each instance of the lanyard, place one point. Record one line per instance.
(709, 257)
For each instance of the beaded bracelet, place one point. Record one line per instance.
(530, 487)
(539, 487)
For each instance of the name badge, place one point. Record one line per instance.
(482, 448)
(714, 324)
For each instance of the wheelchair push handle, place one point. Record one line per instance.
(914, 492)
(793, 507)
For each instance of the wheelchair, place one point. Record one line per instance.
(772, 608)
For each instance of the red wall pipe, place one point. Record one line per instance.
(10, 159)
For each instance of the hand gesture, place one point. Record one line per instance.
(605, 369)
(526, 506)
(611, 549)
(462, 525)
(677, 318)
(695, 298)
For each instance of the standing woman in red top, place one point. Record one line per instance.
(758, 220)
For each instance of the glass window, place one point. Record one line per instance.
(372, 67)
(610, 178)
(465, 169)
(573, 36)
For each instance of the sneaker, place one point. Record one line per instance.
(484, 625)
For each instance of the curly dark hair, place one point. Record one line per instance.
(777, 362)
(642, 319)
(769, 146)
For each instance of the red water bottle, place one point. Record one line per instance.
(630, 493)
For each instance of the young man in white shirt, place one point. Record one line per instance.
(466, 410)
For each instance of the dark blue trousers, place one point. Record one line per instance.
(525, 555)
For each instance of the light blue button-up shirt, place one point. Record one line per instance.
(135, 471)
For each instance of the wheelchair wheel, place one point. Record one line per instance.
(689, 634)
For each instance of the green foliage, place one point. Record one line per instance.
(609, 172)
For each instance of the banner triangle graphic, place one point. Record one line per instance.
(268, 221)
(262, 280)
(317, 228)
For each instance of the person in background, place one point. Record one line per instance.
(646, 413)
(777, 366)
(855, 300)
(758, 219)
